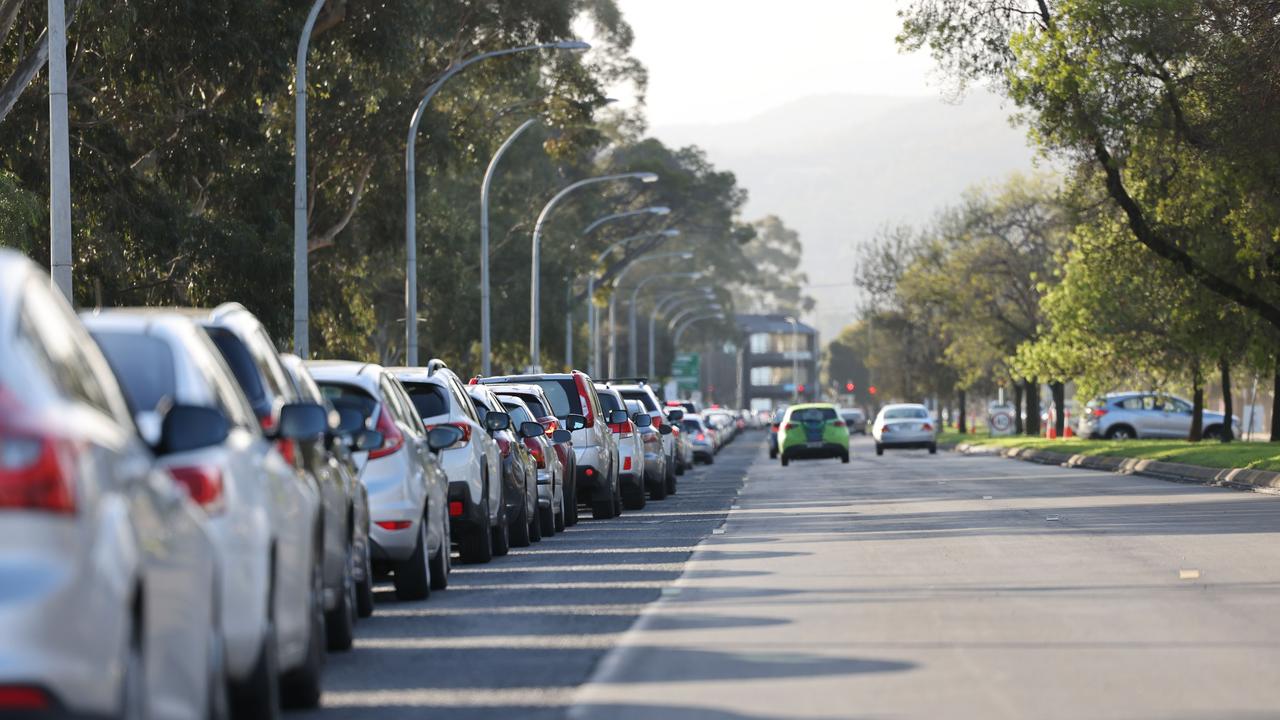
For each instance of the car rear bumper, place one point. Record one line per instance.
(465, 515)
(825, 450)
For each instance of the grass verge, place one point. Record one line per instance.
(1250, 455)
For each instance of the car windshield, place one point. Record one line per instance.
(145, 367)
(905, 413)
(814, 415)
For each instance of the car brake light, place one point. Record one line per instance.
(774, 426)
(701, 437)
(589, 472)
(20, 698)
(203, 484)
(622, 429)
(455, 508)
(926, 426)
(1099, 412)
(839, 423)
(394, 524)
(657, 421)
(504, 445)
(462, 441)
(536, 452)
(286, 448)
(580, 382)
(392, 438)
(550, 425)
(626, 463)
(792, 426)
(35, 473)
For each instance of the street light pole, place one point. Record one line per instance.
(486, 347)
(632, 345)
(593, 321)
(795, 360)
(60, 262)
(411, 200)
(659, 308)
(301, 279)
(535, 289)
(613, 303)
(692, 321)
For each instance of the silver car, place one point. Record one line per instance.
(408, 492)
(1129, 415)
(905, 425)
(262, 514)
(108, 576)
(854, 419)
(642, 392)
(657, 478)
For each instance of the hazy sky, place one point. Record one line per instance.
(714, 61)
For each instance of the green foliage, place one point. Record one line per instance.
(1252, 456)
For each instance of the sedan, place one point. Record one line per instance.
(812, 430)
(904, 425)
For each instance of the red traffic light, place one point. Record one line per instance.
(872, 389)
(800, 388)
(849, 387)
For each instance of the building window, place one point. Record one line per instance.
(774, 376)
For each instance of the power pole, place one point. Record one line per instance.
(59, 153)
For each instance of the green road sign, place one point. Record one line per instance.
(685, 370)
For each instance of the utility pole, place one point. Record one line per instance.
(59, 153)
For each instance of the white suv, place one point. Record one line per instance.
(473, 464)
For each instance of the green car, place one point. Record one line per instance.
(813, 430)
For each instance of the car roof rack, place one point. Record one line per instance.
(626, 381)
(435, 364)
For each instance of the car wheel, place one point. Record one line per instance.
(413, 576)
(658, 490)
(617, 498)
(560, 520)
(133, 685)
(879, 449)
(535, 524)
(502, 538)
(519, 532)
(1213, 432)
(440, 561)
(257, 697)
(571, 500)
(216, 707)
(1121, 432)
(933, 449)
(845, 458)
(300, 688)
(773, 454)
(547, 518)
(340, 623)
(364, 588)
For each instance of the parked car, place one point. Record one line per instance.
(639, 390)
(346, 526)
(1130, 415)
(519, 471)
(775, 424)
(548, 469)
(704, 448)
(812, 430)
(656, 479)
(555, 474)
(684, 443)
(690, 407)
(855, 420)
(904, 425)
(630, 447)
(408, 491)
(594, 448)
(473, 464)
(109, 579)
(263, 514)
(249, 352)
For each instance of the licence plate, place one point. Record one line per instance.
(815, 444)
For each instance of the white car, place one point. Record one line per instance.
(657, 478)
(108, 577)
(263, 515)
(630, 447)
(473, 464)
(640, 391)
(408, 491)
(905, 425)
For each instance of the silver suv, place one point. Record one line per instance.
(1129, 415)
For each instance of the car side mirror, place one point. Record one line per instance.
(497, 421)
(642, 420)
(561, 436)
(190, 427)
(574, 421)
(532, 430)
(443, 436)
(366, 440)
(301, 421)
(675, 415)
(665, 430)
(617, 417)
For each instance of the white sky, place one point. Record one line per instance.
(715, 61)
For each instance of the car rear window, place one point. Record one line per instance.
(562, 394)
(905, 413)
(646, 400)
(144, 366)
(518, 414)
(814, 415)
(608, 402)
(429, 399)
(691, 425)
(534, 404)
(349, 396)
(238, 358)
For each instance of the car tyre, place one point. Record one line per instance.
(413, 576)
(520, 533)
(547, 519)
(571, 501)
(257, 697)
(440, 562)
(844, 458)
(785, 460)
(561, 518)
(364, 588)
(340, 623)
(933, 449)
(879, 449)
(300, 688)
(1121, 432)
(535, 524)
(477, 546)
(216, 702)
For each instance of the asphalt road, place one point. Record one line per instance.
(894, 587)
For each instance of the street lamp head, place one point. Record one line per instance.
(572, 45)
(689, 256)
(673, 232)
(648, 177)
(660, 210)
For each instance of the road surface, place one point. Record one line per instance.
(906, 586)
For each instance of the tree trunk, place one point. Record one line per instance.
(963, 424)
(1197, 404)
(1275, 402)
(1059, 408)
(1017, 408)
(1228, 407)
(1033, 408)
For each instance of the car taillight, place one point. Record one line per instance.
(462, 441)
(839, 423)
(701, 437)
(19, 698)
(926, 426)
(580, 382)
(504, 445)
(288, 451)
(36, 472)
(392, 438)
(622, 429)
(455, 508)
(774, 426)
(626, 463)
(792, 426)
(657, 421)
(1099, 412)
(394, 524)
(536, 452)
(550, 425)
(203, 484)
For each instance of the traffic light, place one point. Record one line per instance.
(849, 387)
(872, 389)
(800, 389)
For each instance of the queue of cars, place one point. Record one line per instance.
(191, 519)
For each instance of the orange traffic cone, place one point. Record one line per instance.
(1066, 426)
